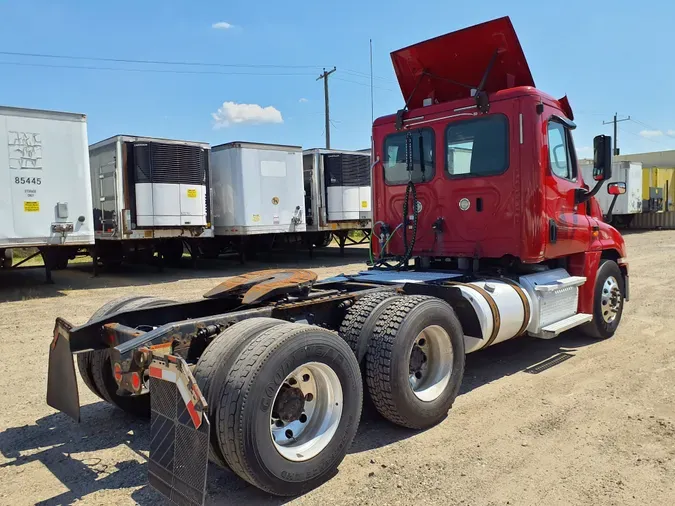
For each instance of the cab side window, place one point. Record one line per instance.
(560, 148)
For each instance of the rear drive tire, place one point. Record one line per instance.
(359, 323)
(84, 359)
(415, 361)
(101, 368)
(214, 365)
(357, 329)
(608, 299)
(273, 433)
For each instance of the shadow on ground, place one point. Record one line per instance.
(57, 442)
(29, 283)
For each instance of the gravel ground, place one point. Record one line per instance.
(598, 428)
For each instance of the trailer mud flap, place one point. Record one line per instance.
(179, 447)
(62, 393)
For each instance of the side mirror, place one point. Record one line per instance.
(602, 157)
(616, 188)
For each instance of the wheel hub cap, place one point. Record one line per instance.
(611, 299)
(430, 365)
(306, 412)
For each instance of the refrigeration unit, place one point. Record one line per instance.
(149, 193)
(257, 189)
(337, 192)
(45, 194)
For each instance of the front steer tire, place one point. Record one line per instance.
(247, 403)
(389, 361)
(598, 327)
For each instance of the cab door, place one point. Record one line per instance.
(568, 224)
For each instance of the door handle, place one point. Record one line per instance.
(552, 231)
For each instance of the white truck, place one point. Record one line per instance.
(627, 205)
(45, 189)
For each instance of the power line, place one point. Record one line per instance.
(363, 84)
(655, 141)
(358, 73)
(666, 133)
(155, 71)
(157, 62)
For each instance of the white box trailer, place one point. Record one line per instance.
(150, 194)
(257, 189)
(337, 192)
(45, 197)
(628, 204)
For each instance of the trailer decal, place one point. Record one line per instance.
(31, 206)
(25, 150)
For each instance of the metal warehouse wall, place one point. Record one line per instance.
(653, 221)
(654, 159)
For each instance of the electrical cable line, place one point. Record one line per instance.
(156, 71)
(363, 84)
(156, 62)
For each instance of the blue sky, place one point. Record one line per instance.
(606, 56)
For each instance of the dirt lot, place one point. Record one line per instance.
(597, 429)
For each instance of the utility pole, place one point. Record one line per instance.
(615, 121)
(324, 76)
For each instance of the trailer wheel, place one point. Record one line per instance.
(55, 259)
(96, 369)
(290, 408)
(608, 297)
(171, 251)
(415, 361)
(214, 364)
(7, 258)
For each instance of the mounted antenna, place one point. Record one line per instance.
(400, 112)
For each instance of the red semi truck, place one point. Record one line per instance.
(485, 232)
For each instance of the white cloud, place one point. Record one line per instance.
(648, 134)
(232, 113)
(222, 25)
(303, 100)
(670, 132)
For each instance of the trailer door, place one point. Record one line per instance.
(107, 184)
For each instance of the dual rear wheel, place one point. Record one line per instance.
(411, 352)
(284, 403)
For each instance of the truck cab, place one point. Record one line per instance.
(492, 162)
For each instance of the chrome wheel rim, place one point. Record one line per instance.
(611, 299)
(306, 411)
(430, 365)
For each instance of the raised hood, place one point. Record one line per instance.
(447, 67)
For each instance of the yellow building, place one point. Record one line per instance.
(658, 176)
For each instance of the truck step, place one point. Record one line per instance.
(570, 322)
(561, 283)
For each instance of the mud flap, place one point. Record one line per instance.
(62, 393)
(179, 448)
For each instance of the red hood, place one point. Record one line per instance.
(462, 57)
